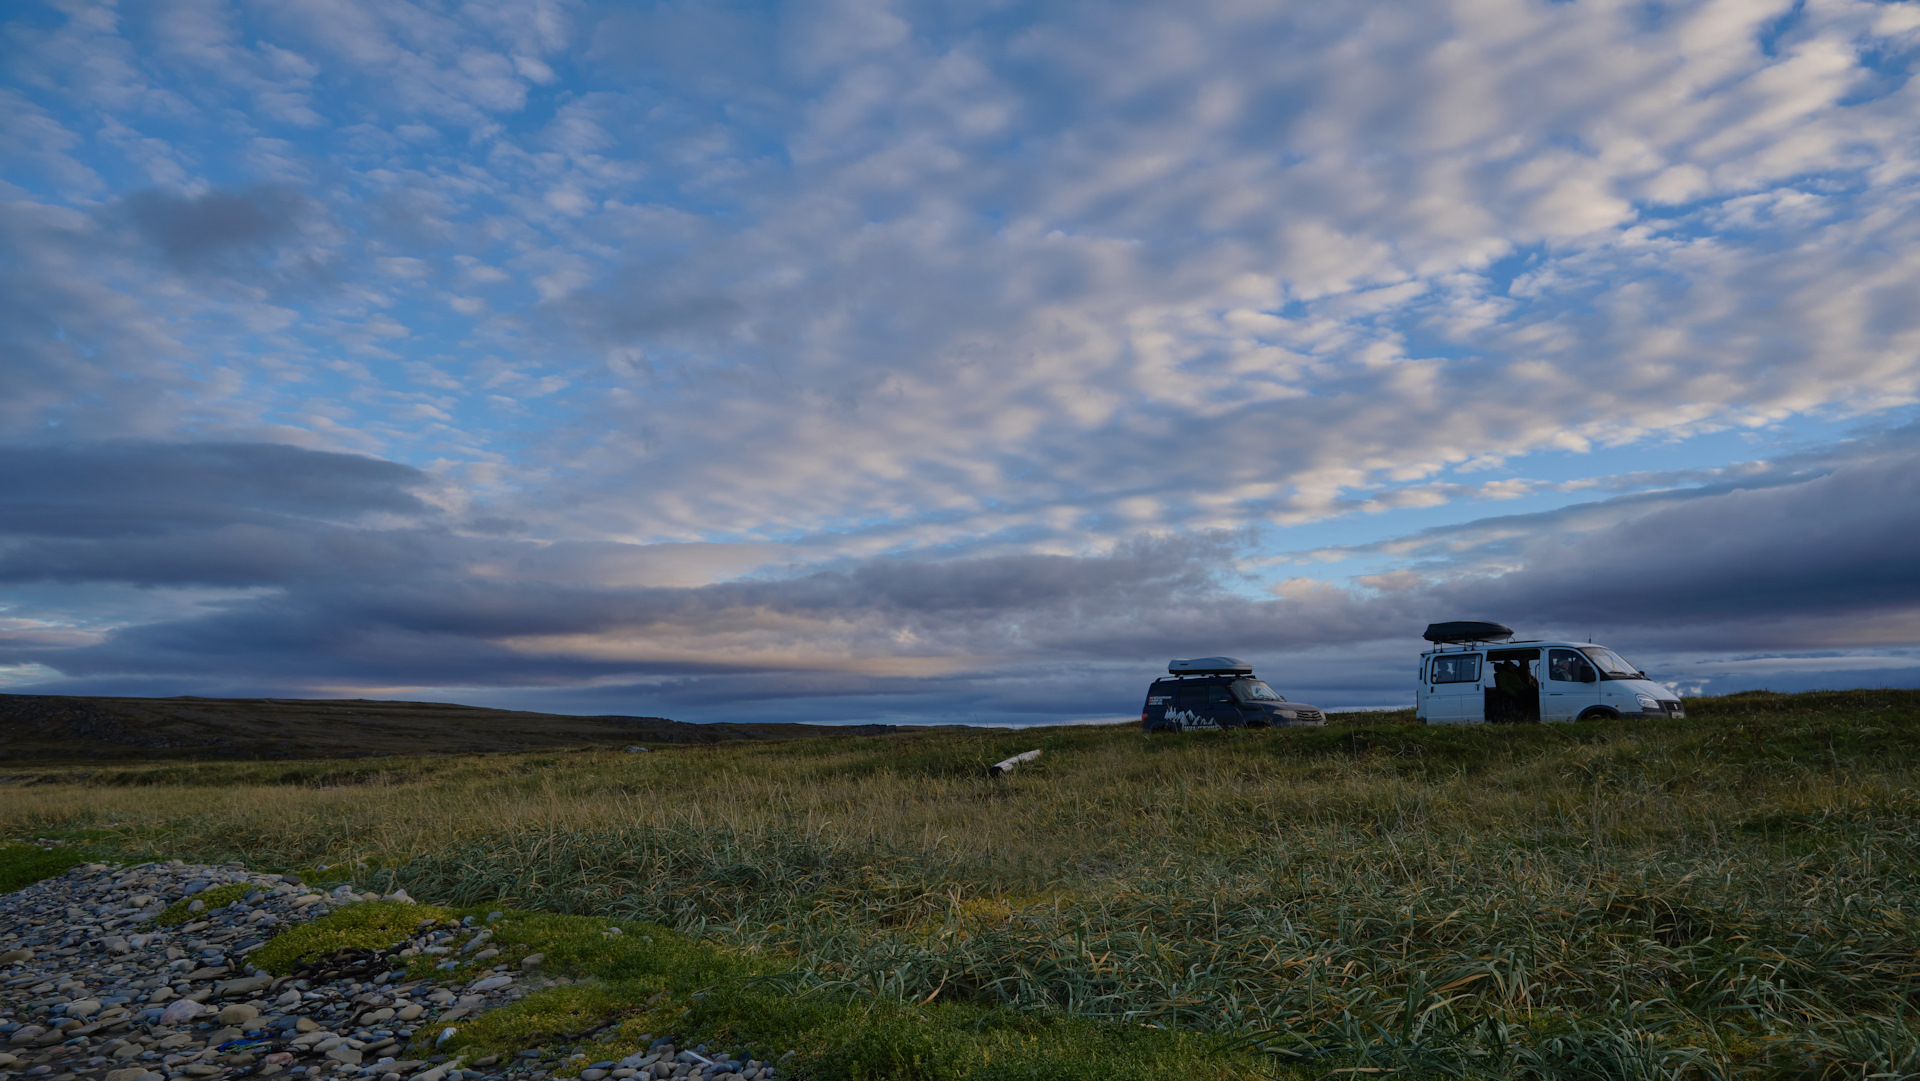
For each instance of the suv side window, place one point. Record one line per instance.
(1457, 668)
(1187, 695)
(1217, 694)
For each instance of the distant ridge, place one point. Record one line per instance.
(49, 727)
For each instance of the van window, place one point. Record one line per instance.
(1568, 666)
(1612, 666)
(1457, 668)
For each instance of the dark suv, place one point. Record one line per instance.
(1211, 693)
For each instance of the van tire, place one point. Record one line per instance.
(1598, 713)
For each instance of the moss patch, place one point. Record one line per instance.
(368, 925)
(180, 911)
(546, 1016)
(23, 865)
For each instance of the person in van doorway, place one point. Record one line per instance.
(1511, 681)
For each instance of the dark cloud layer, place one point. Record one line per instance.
(1831, 545)
(369, 586)
(147, 488)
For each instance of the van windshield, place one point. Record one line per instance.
(1255, 690)
(1611, 664)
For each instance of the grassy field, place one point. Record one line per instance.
(1730, 895)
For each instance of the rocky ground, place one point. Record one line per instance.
(91, 987)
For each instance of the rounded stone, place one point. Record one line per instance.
(238, 1014)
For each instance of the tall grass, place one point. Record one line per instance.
(1733, 895)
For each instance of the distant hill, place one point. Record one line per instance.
(49, 727)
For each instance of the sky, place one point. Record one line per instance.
(946, 362)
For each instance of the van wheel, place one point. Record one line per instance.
(1598, 713)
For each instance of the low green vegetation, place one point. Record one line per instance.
(628, 982)
(182, 910)
(369, 925)
(1732, 895)
(23, 865)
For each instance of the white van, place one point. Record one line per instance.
(1471, 676)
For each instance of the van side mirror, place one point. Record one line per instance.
(1588, 675)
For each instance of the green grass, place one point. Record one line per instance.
(23, 865)
(651, 980)
(1733, 895)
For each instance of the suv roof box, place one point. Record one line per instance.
(1466, 630)
(1207, 666)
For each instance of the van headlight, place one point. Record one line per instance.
(1647, 703)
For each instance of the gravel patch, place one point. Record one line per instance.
(91, 988)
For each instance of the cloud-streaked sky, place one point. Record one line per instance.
(861, 361)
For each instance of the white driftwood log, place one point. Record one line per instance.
(1001, 769)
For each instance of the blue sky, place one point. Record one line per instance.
(934, 362)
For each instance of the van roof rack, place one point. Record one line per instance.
(1466, 630)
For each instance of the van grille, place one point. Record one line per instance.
(1308, 715)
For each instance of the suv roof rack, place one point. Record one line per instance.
(1210, 666)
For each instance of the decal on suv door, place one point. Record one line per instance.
(1189, 719)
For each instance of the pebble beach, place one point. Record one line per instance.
(91, 987)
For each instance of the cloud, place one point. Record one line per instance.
(890, 350)
(135, 487)
(1834, 546)
(224, 229)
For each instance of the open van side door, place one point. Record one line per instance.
(1512, 694)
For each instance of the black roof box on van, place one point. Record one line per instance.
(1466, 630)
